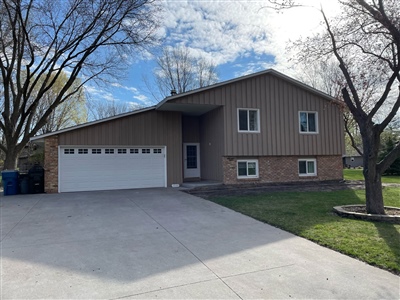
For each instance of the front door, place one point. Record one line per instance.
(191, 156)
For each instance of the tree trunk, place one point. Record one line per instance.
(373, 183)
(10, 162)
(373, 194)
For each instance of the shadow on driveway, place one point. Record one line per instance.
(167, 244)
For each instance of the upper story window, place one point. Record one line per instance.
(308, 122)
(248, 120)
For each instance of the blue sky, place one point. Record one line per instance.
(239, 36)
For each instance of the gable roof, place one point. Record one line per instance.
(160, 105)
(93, 123)
(268, 71)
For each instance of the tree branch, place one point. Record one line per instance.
(357, 109)
(389, 159)
(352, 140)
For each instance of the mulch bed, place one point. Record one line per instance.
(258, 188)
(363, 210)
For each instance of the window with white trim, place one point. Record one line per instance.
(134, 151)
(145, 151)
(248, 120)
(308, 121)
(82, 151)
(156, 151)
(109, 151)
(247, 168)
(96, 151)
(308, 167)
(121, 151)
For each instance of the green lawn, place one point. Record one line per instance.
(357, 174)
(309, 214)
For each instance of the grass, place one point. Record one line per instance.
(357, 174)
(309, 215)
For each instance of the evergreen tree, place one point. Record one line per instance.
(390, 143)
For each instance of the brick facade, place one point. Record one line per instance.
(51, 164)
(283, 169)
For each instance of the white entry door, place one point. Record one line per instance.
(191, 156)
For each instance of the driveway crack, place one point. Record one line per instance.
(1, 216)
(190, 251)
(164, 289)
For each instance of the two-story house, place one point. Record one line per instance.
(263, 127)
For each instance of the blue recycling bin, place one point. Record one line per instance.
(10, 182)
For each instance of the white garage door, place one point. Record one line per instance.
(100, 168)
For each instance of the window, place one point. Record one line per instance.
(96, 151)
(145, 151)
(248, 120)
(121, 151)
(157, 151)
(109, 151)
(134, 151)
(308, 122)
(307, 167)
(82, 151)
(247, 168)
(69, 151)
(191, 156)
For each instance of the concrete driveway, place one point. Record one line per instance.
(163, 243)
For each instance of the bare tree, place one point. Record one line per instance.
(180, 71)
(323, 75)
(327, 77)
(40, 39)
(365, 41)
(205, 72)
(68, 113)
(100, 109)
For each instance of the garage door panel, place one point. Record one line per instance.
(86, 172)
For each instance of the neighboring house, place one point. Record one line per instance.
(352, 161)
(264, 127)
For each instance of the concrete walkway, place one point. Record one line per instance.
(163, 243)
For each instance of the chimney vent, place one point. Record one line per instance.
(173, 92)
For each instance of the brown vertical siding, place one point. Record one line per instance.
(151, 128)
(190, 129)
(279, 102)
(212, 145)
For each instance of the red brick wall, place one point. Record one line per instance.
(283, 169)
(51, 164)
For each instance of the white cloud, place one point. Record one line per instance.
(142, 98)
(98, 93)
(240, 33)
(226, 30)
(128, 88)
(222, 30)
(119, 92)
(134, 105)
